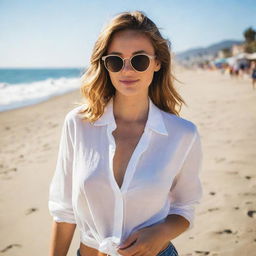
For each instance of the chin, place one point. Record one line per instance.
(128, 92)
(132, 90)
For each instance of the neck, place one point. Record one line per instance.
(130, 109)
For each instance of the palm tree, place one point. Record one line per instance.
(250, 35)
(250, 40)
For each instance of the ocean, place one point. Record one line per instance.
(23, 87)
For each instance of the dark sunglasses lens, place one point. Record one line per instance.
(114, 63)
(140, 62)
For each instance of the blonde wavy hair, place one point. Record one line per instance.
(96, 88)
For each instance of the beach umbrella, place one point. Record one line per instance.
(251, 56)
(242, 55)
(231, 60)
(220, 61)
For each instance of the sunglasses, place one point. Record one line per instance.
(139, 62)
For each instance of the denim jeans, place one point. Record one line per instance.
(170, 250)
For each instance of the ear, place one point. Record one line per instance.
(157, 65)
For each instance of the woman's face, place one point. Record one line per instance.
(125, 44)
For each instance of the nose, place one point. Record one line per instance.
(127, 65)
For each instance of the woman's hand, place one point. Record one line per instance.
(147, 241)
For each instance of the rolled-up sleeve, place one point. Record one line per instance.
(60, 189)
(186, 190)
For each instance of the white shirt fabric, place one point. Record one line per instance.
(162, 177)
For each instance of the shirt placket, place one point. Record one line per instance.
(131, 167)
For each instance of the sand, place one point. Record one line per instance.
(224, 111)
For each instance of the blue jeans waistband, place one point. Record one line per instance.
(170, 250)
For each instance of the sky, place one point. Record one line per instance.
(61, 33)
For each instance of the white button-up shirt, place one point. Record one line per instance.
(162, 177)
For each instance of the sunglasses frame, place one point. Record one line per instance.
(123, 59)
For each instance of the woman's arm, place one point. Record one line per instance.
(152, 238)
(61, 237)
(186, 191)
(60, 194)
(173, 226)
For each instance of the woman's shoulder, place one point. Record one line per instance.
(179, 124)
(74, 115)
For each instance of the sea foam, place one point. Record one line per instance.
(14, 96)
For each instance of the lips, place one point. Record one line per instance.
(128, 81)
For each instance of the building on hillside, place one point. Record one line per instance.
(237, 48)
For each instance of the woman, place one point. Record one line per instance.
(253, 74)
(128, 165)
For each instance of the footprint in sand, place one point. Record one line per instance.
(248, 194)
(248, 177)
(46, 146)
(29, 211)
(53, 125)
(9, 170)
(202, 252)
(220, 159)
(212, 193)
(213, 209)
(251, 213)
(232, 172)
(227, 231)
(10, 246)
(238, 162)
(236, 208)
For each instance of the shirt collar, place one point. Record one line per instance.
(155, 119)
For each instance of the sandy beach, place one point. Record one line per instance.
(225, 224)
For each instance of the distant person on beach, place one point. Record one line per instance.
(241, 70)
(236, 70)
(253, 69)
(230, 70)
(127, 171)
